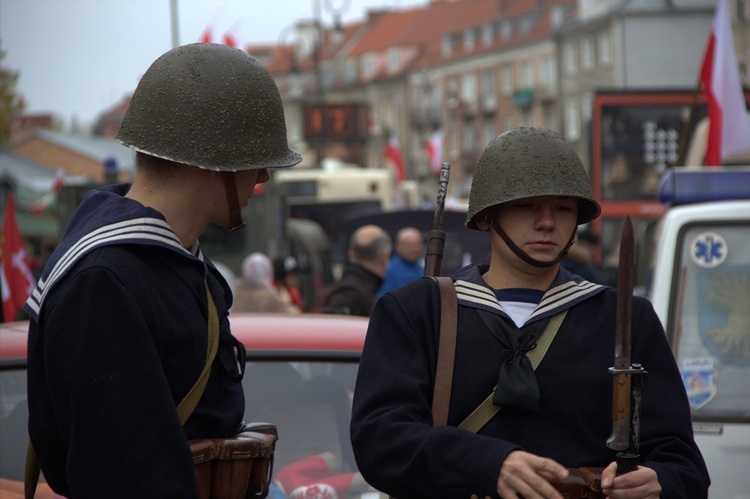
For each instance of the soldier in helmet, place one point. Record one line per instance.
(529, 193)
(121, 315)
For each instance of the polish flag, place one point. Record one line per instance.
(49, 197)
(17, 280)
(729, 128)
(393, 154)
(206, 36)
(434, 149)
(230, 37)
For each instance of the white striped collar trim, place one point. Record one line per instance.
(554, 300)
(152, 230)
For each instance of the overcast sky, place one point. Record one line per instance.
(79, 57)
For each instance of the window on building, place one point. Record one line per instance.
(570, 58)
(469, 88)
(558, 15)
(488, 33)
(572, 119)
(527, 74)
(470, 39)
(506, 29)
(526, 23)
(350, 70)
(587, 53)
(507, 79)
(604, 48)
(369, 65)
(436, 103)
(548, 71)
(488, 82)
(587, 104)
(394, 60)
(447, 45)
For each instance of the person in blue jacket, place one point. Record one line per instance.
(407, 262)
(120, 317)
(530, 191)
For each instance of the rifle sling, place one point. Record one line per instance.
(447, 354)
(184, 409)
(446, 351)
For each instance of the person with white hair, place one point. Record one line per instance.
(254, 290)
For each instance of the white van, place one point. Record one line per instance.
(699, 284)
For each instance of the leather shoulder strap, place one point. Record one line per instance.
(441, 396)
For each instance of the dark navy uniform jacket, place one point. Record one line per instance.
(399, 452)
(117, 338)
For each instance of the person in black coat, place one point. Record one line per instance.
(120, 318)
(529, 193)
(356, 292)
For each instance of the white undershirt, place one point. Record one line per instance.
(519, 304)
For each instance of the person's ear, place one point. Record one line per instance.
(483, 220)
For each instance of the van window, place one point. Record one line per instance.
(709, 319)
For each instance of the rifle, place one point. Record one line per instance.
(436, 239)
(627, 378)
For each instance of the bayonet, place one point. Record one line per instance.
(627, 378)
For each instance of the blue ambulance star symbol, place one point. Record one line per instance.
(709, 249)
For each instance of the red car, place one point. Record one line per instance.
(300, 376)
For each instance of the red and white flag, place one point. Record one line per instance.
(393, 154)
(729, 129)
(434, 149)
(230, 40)
(48, 198)
(17, 280)
(207, 36)
(230, 37)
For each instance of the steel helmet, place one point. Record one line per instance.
(527, 162)
(211, 106)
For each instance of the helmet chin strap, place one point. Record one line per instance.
(235, 212)
(523, 255)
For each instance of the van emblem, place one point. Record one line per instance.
(708, 250)
(698, 378)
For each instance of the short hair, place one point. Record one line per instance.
(156, 166)
(371, 250)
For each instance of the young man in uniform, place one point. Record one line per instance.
(120, 318)
(529, 193)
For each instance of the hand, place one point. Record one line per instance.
(528, 475)
(641, 483)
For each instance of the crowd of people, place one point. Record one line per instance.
(129, 312)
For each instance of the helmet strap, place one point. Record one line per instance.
(235, 212)
(523, 255)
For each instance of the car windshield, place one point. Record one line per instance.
(308, 401)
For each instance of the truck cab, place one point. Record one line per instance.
(699, 284)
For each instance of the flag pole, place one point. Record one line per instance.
(688, 127)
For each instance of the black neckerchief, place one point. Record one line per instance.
(517, 387)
